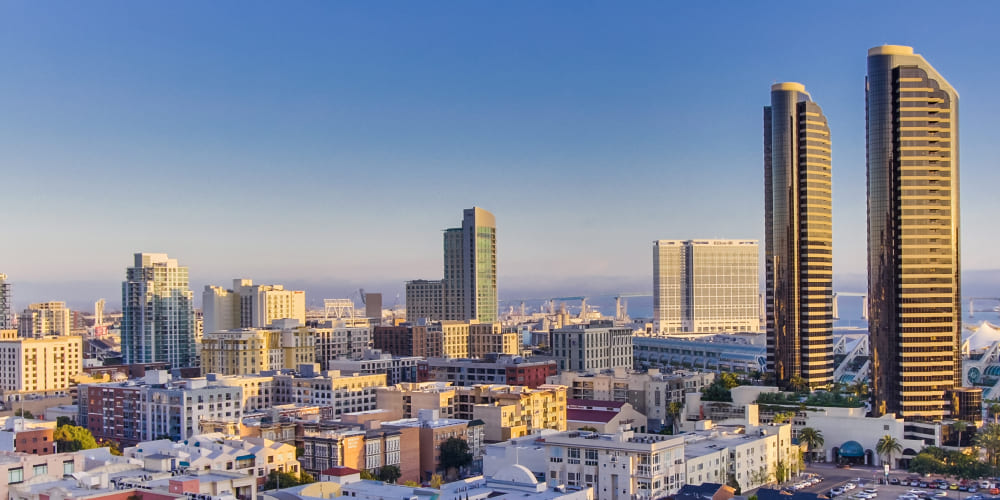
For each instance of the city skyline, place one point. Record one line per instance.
(539, 127)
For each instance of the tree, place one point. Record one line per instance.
(995, 411)
(588, 428)
(812, 438)
(61, 421)
(113, 447)
(988, 438)
(73, 438)
(733, 483)
(718, 390)
(797, 383)
(960, 427)
(455, 454)
(411, 484)
(888, 446)
(673, 411)
(21, 412)
(389, 473)
(728, 380)
(368, 476)
(780, 471)
(278, 479)
(759, 476)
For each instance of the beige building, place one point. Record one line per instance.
(406, 400)
(250, 306)
(705, 286)
(253, 350)
(340, 339)
(42, 366)
(487, 338)
(448, 339)
(45, 318)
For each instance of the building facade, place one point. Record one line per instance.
(6, 304)
(598, 345)
(250, 306)
(397, 369)
(913, 234)
(254, 350)
(798, 248)
(341, 339)
(510, 370)
(43, 319)
(470, 268)
(158, 321)
(38, 366)
(425, 300)
(705, 286)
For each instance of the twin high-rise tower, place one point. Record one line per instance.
(798, 239)
(914, 296)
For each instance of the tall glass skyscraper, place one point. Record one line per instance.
(798, 241)
(158, 313)
(913, 234)
(470, 268)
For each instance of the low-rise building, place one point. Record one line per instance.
(732, 353)
(491, 369)
(21, 467)
(433, 431)
(598, 345)
(250, 456)
(602, 416)
(27, 435)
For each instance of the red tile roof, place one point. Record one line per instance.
(602, 416)
(340, 471)
(593, 403)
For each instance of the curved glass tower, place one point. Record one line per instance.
(798, 238)
(913, 227)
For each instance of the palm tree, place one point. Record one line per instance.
(995, 411)
(988, 438)
(673, 411)
(797, 383)
(960, 427)
(812, 438)
(887, 446)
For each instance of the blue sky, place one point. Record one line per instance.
(326, 144)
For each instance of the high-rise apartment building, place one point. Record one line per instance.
(914, 295)
(250, 306)
(6, 304)
(469, 288)
(705, 286)
(158, 312)
(45, 318)
(798, 248)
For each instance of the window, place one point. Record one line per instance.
(41, 469)
(68, 467)
(15, 476)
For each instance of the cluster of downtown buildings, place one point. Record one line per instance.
(360, 391)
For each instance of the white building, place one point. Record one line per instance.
(214, 451)
(397, 369)
(341, 339)
(706, 286)
(250, 306)
(596, 346)
(38, 366)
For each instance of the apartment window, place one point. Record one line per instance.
(15, 476)
(41, 469)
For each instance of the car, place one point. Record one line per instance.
(963, 487)
(942, 486)
(984, 484)
(953, 486)
(914, 482)
(864, 496)
(973, 489)
(850, 486)
(837, 491)
(923, 484)
(893, 480)
(941, 494)
(914, 492)
(907, 496)
(871, 491)
(994, 491)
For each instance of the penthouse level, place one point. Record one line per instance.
(493, 369)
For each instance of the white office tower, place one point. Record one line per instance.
(44, 319)
(250, 306)
(157, 312)
(99, 312)
(705, 286)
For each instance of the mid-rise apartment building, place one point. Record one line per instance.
(341, 339)
(254, 350)
(425, 300)
(38, 366)
(598, 345)
(44, 319)
(250, 306)
(156, 406)
(362, 449)
(408, 339)
(512, 411)
(705, 286)
(397, 369)
(433, 431)
(492, 338)
(251, 456)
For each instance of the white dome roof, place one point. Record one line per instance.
(515, 473)
(982, 337)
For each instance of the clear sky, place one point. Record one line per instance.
(328, 143)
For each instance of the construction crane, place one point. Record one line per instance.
(621, 307)
(361, 292)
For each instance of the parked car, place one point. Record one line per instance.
(923, 484)
(850, 486)
(871, 491)
(972, 489)
(941, 494)
(893, 480)
(837, 492)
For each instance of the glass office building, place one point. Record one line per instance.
(470, 268)
(913, 234)
(798, 241)
(158, 322)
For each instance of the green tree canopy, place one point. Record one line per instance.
(389, 473)
(21, 412)
(281, 480)
(73, 438)
(455, 453)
